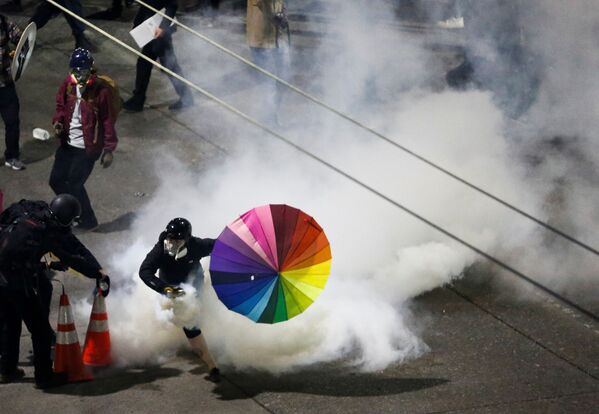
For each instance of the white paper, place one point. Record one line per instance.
(144, 32)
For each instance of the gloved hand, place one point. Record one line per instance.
(172, 292)
(58, 128)
(58, 266)
(103, 283)
(106, 159)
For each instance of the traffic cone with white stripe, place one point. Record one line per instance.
(67, 353)
(96, 351)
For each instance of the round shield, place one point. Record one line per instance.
(23, 52)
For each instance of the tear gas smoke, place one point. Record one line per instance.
(382, 257)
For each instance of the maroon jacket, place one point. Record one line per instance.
(97, 115)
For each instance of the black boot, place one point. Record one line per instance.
(82, 41)
(112, 13)
(53, 380)
(134, 104)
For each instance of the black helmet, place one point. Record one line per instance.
(65, 208)
(178, 229)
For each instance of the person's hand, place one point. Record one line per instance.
(58, 128)
(158, 33)
(103, 283)
(12, 54)
(106, 159)
(172, 292)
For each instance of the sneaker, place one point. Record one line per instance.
(7, 378)
(55, 380)
(15, 164)
(214, 375)
(181, 104)
(133, 105)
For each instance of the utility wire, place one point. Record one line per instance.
(378, 134)
(336, 169)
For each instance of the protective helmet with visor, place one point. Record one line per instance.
(178, 232)
(65, 209)
(81, 65)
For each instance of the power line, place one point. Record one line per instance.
(372, 131)
(337, 170)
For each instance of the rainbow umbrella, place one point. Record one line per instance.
(271, 263)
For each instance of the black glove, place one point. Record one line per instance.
(58, 266)
(103, 283)
(106, 159)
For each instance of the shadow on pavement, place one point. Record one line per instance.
(112, 381)
(120, 223)
(321, 383)
(34, 151)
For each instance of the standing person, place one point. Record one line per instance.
(9, 101)
(161, 48)
(267, 27)
(46, 11)
(41, 228)
(84, 121)
(176, 258)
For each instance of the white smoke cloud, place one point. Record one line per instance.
(382, 257)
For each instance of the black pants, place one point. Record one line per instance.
(26, 306)
(161, 49)
(45, 11)
(9, 110)
(71, 169)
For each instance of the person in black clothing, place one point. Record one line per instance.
(46, 11)
(161, 48)
(9, 101)
(30, 229)
(176, 258)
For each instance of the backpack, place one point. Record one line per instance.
(38, 210)
(23, 229)
(115, 97)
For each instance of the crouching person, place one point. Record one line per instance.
(176, 259)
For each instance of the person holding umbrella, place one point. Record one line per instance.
(176, 259)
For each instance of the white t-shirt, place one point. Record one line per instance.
(76, 128)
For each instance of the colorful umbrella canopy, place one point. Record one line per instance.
(271, 263)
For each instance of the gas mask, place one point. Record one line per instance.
(81, 75)
(174, 247)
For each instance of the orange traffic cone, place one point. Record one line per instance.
(67, 354)
(96, 351)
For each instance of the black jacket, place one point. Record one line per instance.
(173, 272)
(29, 236)
(144, 13)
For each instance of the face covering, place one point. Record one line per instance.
(175, 247)
(81, 75)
